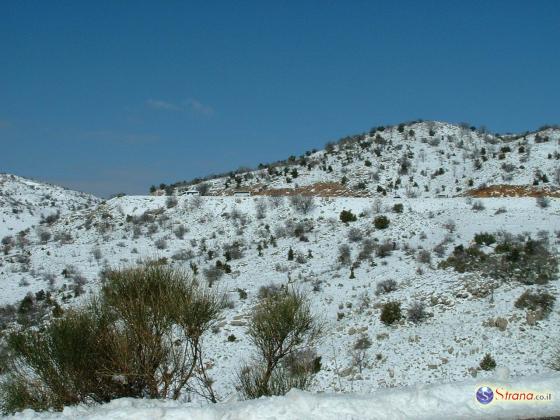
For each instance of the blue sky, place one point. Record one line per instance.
(111, 96)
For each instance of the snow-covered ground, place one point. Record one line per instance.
(23, 202)
(448, 346)
(429, 402)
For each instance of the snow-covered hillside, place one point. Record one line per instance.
(424, 159)
(23, 202)
(465, 320)
(409, 242)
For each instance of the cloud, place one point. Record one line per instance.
(162, 105)
(199, 108)
(192, 106)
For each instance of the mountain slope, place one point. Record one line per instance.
(23, 202)
(425, 159)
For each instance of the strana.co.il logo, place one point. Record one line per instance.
(484, 395)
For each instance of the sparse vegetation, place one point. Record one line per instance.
(117, 345)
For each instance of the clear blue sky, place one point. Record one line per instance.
(109, 96)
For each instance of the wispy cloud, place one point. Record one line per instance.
(162, 105)
(200, 108)
(192, 106)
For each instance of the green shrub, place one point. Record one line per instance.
(487, 362)
(346, 216)
(390, 313)
(120, 344)
(281, 325)
(513, 258)
(381, 222)
(484, 238)
(535, 301)
(398, 208)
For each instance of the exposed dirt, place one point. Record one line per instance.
(505, 190)
(321, 189)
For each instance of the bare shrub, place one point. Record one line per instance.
(385, 286)
(542, 201)
(424, 256)
(344, 254)
(355, 235)
(302, 203)
(416, 312)
(161, 243)
(478, 206)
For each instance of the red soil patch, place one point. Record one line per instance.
(320, 189)
(514, 191)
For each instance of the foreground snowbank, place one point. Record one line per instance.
(441, 401)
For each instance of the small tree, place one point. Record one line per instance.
(346, 216)
(390, 313)
(381, 222)
(281, 325)
(487, 362)
(290, 254)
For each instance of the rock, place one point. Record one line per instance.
(345, 372)
(501, 323)
(391, 373)
(238, 323)
(432, 366)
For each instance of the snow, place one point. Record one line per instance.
(439, 401)
(447, 347)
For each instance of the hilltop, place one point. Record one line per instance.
(421, 159)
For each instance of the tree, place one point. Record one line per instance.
(290, 254)
(346, 216)
(281, 326)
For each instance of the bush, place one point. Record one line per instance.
(381, 222)
(344, 255)
(213, 274)
(355, 235)
(521, 258)
(303, 204)
(346, 216)
(478, 206)
(417, 312)
(121, 344)
(281, 325)
(171, 202)
(543, 202)
(487, 362)
(385, 249)
(180, 231)
(390, 313)
(385, 286)
(398, 208)
(484, 238)
(536, 301)
(424, 256)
